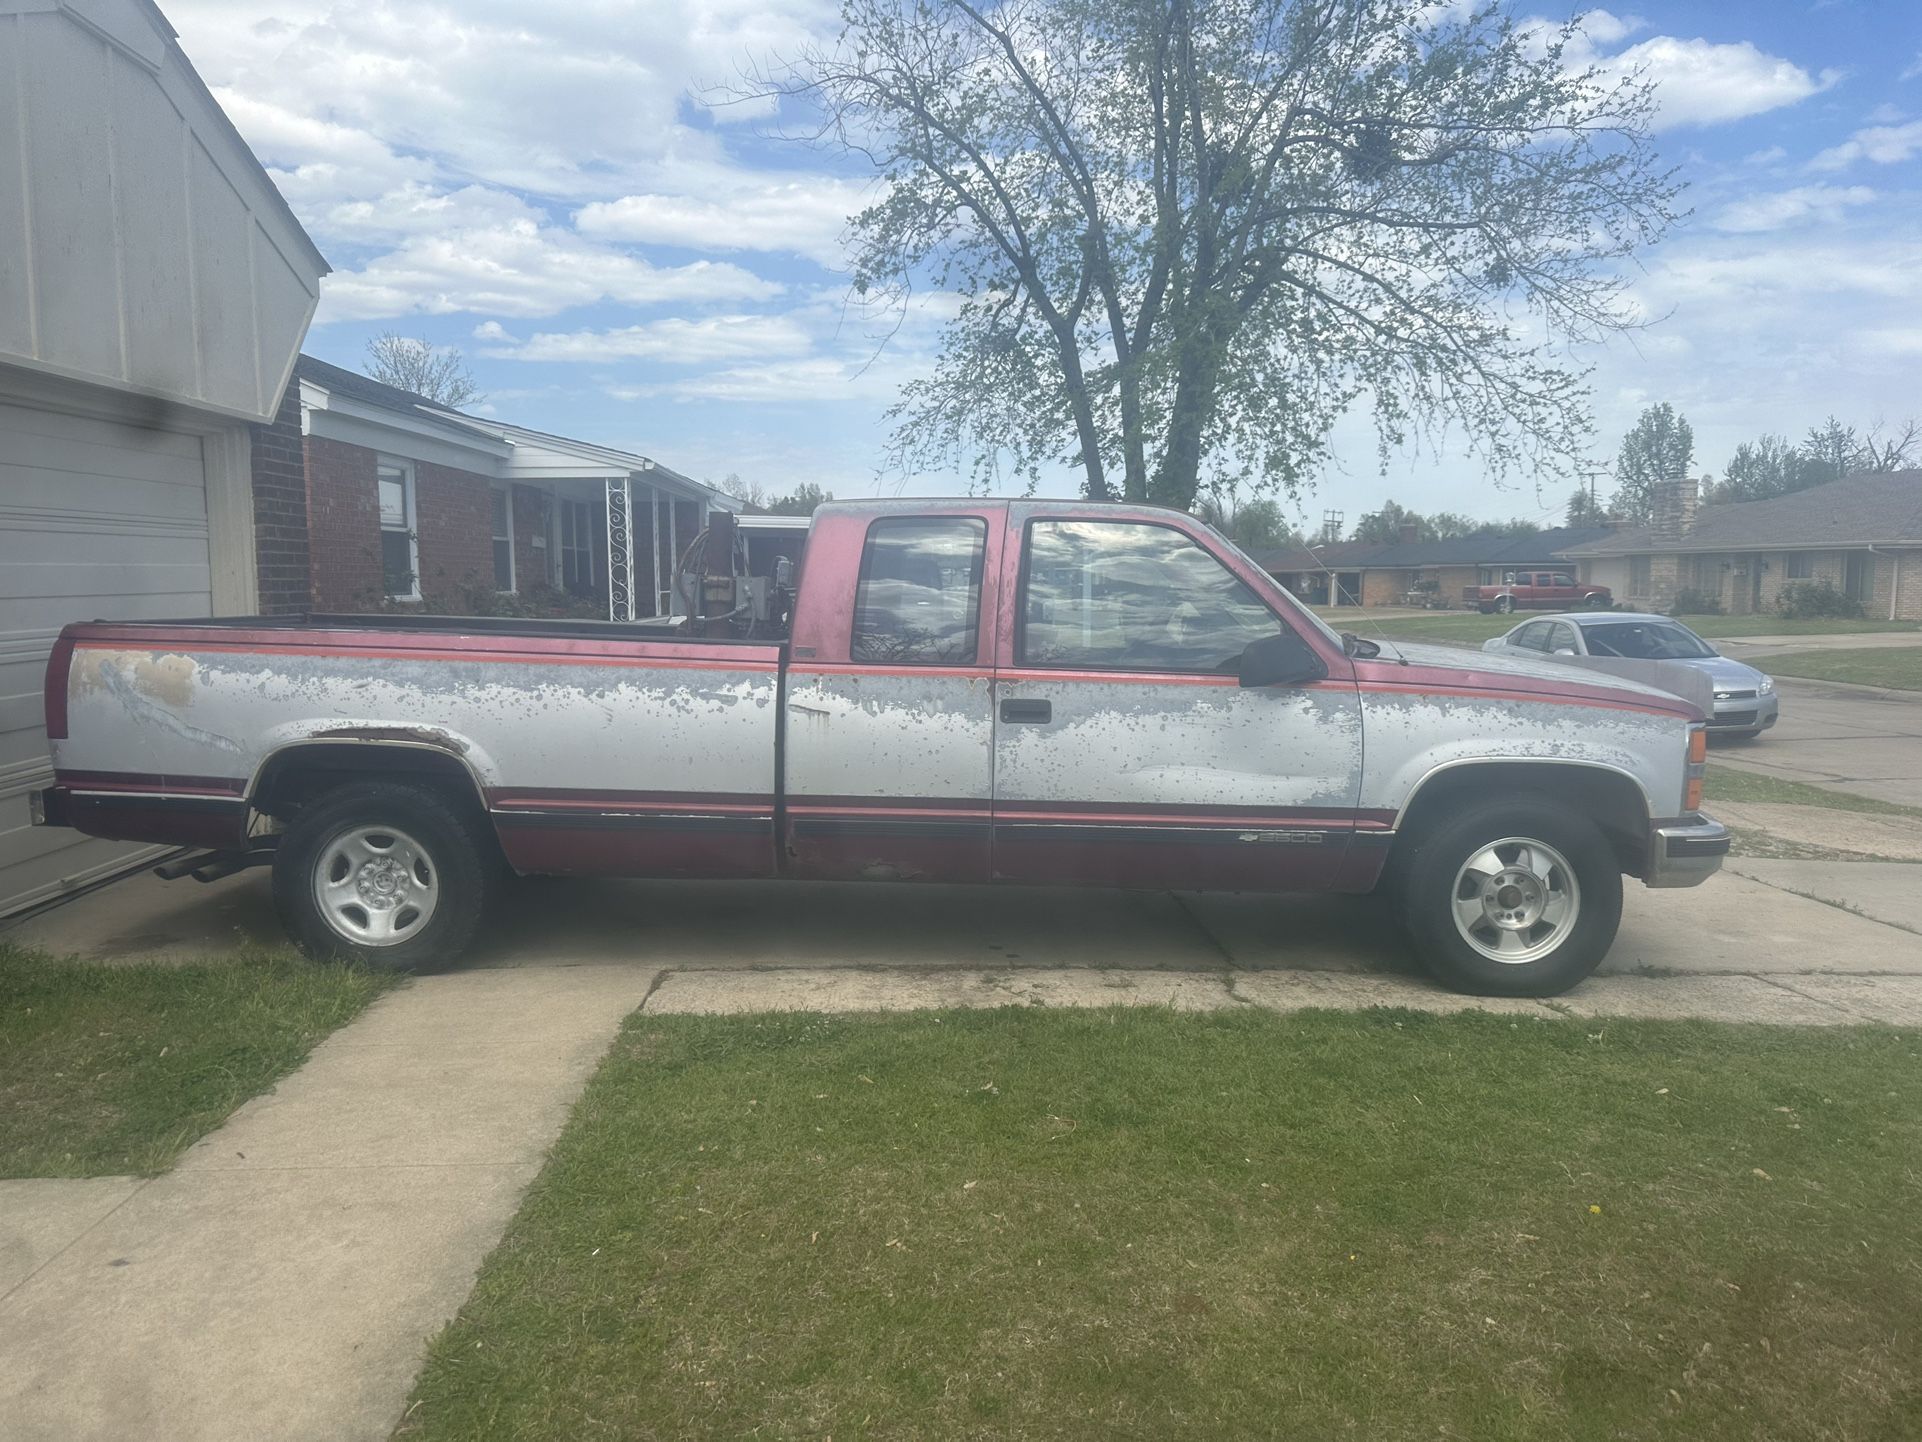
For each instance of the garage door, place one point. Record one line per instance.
(97, 520)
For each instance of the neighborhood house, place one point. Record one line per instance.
(1862, 535)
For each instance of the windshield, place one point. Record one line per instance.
(1646, 641)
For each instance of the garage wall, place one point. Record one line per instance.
(141, 244)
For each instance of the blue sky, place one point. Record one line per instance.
(546, 188)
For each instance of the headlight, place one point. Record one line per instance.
(1767, 685)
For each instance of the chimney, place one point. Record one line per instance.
(1674, 504)
(1409, 535)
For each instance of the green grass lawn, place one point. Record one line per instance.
(1896, 666)
(1730, 783)
(1463, 627)
(107, 1070)
(1028, 1224)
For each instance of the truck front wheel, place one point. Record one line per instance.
(386, 874)
(1504, 605)
(1511, 898)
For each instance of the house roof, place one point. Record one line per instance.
(368, 391)
(1483, 548)
(1854, 511)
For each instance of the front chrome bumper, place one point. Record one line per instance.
(1685, 852)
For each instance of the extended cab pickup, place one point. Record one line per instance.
(1538, 590)
(959, 691)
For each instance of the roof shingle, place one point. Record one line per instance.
(1854, 511)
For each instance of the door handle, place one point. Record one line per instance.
(1031, 713)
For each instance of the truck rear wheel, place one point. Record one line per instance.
(381, 873)
(1512, 898)
(1504, 605)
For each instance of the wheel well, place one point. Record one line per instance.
(1614, 802)
(301, 773)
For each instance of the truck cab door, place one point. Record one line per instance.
(1126, 750)
(888, 708)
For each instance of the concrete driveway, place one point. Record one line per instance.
(1848, 738)
(1735, 925)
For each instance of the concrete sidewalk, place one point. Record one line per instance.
(281, 1282)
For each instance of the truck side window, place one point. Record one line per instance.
(920, 590)
(1133, 596)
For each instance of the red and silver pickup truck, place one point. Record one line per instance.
(960, 691)
(1536, 591)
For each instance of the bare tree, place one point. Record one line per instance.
(1189, 235)
(438, 372)
(1888, 449)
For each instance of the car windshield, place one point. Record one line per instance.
(1646, 641)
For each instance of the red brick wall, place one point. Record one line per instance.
(280, 510)
(456, 527)
(343, 526)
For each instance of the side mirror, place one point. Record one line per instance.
(1564, 651)
(1280, 660)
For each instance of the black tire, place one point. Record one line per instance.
(456, 863)
(1427, 876)
(1485, 608)
(1596, 601)
(1504, 605)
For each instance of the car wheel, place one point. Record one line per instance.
(1511, 898)
(385, 874)
(1505, 605)
(1596, 602)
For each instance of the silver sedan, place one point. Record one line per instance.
(1745, 701)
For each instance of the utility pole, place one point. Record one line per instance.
(1331, 526)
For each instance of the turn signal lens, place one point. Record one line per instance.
(1697, 746)
(1692, 798)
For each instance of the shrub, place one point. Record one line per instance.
(1806, 600)
(1691, 602)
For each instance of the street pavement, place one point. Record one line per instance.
(1847, 738)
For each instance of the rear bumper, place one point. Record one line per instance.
(49, 807)
(1685, 852)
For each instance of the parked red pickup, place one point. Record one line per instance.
(1538, 591)
(1047, 692)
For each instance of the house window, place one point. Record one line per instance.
(577, 545)
(1638, 575)
(1801, 566)
(399, 545)
(503, 540)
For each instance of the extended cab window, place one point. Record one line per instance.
(920, 590)
(1133, 596)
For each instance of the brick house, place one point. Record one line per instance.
(368, 497)
(1367, 573)
(1861, 534)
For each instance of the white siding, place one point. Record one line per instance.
(140, 243)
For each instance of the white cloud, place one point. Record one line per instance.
(1702, 83)
(805, 217)
(1605, 28)
(711, 338)
(817, 378)
(1774, 155)
(1913, 68)
(1878, 144)
(522, 269)
(1804, 202)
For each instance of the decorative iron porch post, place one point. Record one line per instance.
(620, 551)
